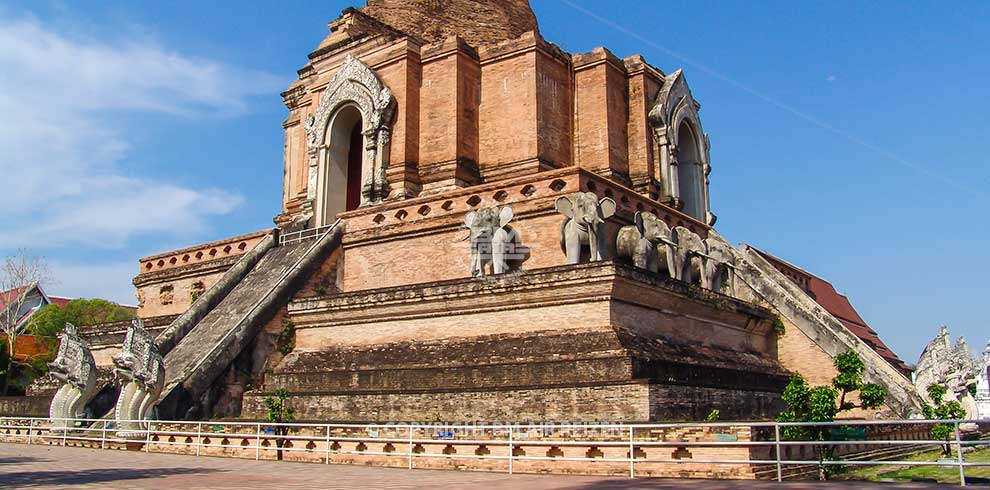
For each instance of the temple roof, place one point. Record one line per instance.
(479, 22)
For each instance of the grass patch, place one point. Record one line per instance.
(944, 474)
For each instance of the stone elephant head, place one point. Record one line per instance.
(647, 242)
(493, 241)
(584, 225)
(719, 264)
(689, 259)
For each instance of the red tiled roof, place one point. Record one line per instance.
(8, 296)
(59, 300)
(839, 306)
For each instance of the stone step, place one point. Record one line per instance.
(222, 334)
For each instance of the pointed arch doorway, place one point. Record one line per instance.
(342, 170)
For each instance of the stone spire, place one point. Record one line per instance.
(479, 22)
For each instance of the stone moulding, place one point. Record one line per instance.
(529, 195)
(354, 83)
(539, 287)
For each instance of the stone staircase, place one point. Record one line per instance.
(771, 286)
(226, 329)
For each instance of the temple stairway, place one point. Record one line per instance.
(200, 345)
(787, 299)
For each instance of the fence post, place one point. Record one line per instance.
(962, 469)
(632, 454)
(410, 446)
(199, 437)
(776, 439)
(31, 431)
(147, 441)
(511, 449)
(257, 443)
(103, 436)
(65, 430)
(328, 443)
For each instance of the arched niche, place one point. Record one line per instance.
(339, 176)
(690, 172)
(683, 149)
(354, 97)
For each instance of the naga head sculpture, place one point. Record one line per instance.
(73, 362)
(136, 356)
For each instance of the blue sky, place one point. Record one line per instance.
(847, 137)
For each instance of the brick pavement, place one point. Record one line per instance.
(31, 467)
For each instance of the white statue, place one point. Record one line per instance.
(75, 368)
(141, 371)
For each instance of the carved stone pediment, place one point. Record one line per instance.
(673, 106)
(355, 83)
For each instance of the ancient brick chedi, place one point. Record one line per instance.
(477, 225)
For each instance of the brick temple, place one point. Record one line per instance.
(464, 237)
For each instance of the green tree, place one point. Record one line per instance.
(279, 413)
(19, 274)
(51, 319)
(824, 403)
(942, 410)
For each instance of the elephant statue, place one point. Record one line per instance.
(493, 240)
(647, 242)
(719, 265)
(75, 368)
(689, 260)
(584, 225)
(141, 371)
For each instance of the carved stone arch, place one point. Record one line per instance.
(673, 110)
(354, 84)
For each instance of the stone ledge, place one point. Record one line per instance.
(596, 281)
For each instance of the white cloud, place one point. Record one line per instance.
(109, 280)
(61, 182)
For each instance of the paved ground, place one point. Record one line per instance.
(23, 466)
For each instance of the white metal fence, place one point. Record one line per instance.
(298, 236)
(752, 446)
